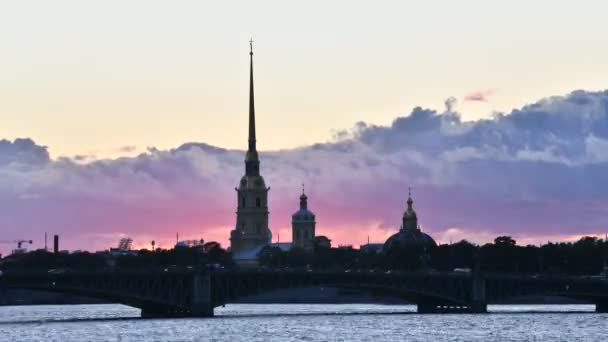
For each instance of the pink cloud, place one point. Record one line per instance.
(478, 96)
(536, 174)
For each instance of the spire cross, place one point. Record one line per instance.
(251, 45)
(302, 188)
(409, 191)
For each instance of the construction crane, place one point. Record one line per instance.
(19, 249)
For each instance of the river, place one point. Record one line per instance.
(304, 322)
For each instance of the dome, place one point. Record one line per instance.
(408, 238)
(303, 215)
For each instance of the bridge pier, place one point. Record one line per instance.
(201, 305)
(601, 307)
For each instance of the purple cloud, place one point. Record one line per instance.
(539, 172)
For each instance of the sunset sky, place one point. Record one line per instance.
(131, 117)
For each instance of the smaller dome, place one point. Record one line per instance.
(303, 215)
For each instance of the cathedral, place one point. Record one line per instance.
(252, 234)
(251, 230)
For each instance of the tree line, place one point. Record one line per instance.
(587, 256)
(211, 253)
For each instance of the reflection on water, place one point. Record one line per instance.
(296, 322)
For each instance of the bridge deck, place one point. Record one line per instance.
(196, 293)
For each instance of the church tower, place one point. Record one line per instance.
(251, 228)
(410, 220)
(303, 226)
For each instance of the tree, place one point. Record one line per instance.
(504, 240)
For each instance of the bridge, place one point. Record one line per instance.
(197, 293)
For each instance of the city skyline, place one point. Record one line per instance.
(184, 189)
(536, 172)
(322, 170)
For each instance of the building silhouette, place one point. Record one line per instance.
(303, 226)
(251, 232)
(410, 238)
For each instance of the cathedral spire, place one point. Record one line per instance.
(410, 202)
(252, 146)
(251, 229)
(252, 162)
(303, 199)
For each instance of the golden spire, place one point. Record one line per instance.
(409, 199)
(252, 139)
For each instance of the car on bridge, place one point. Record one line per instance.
(60, 270)
(462, 270)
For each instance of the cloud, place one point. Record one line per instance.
(478, 96)
(128, 148)
(537, 173)
(22, 151)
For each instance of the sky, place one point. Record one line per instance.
(127, 118)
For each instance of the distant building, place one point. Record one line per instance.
(303, 226)
(372, 248)
(283, 246)
(125, 244)
(410, 237)
(117, 252)
(191, 243)
(251, 232)
(124, 248)
(322, 242)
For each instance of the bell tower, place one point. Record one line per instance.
(251, 228)
(303, 225)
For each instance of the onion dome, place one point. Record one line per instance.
(303, 214)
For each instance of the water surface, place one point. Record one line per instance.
(305, 322)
